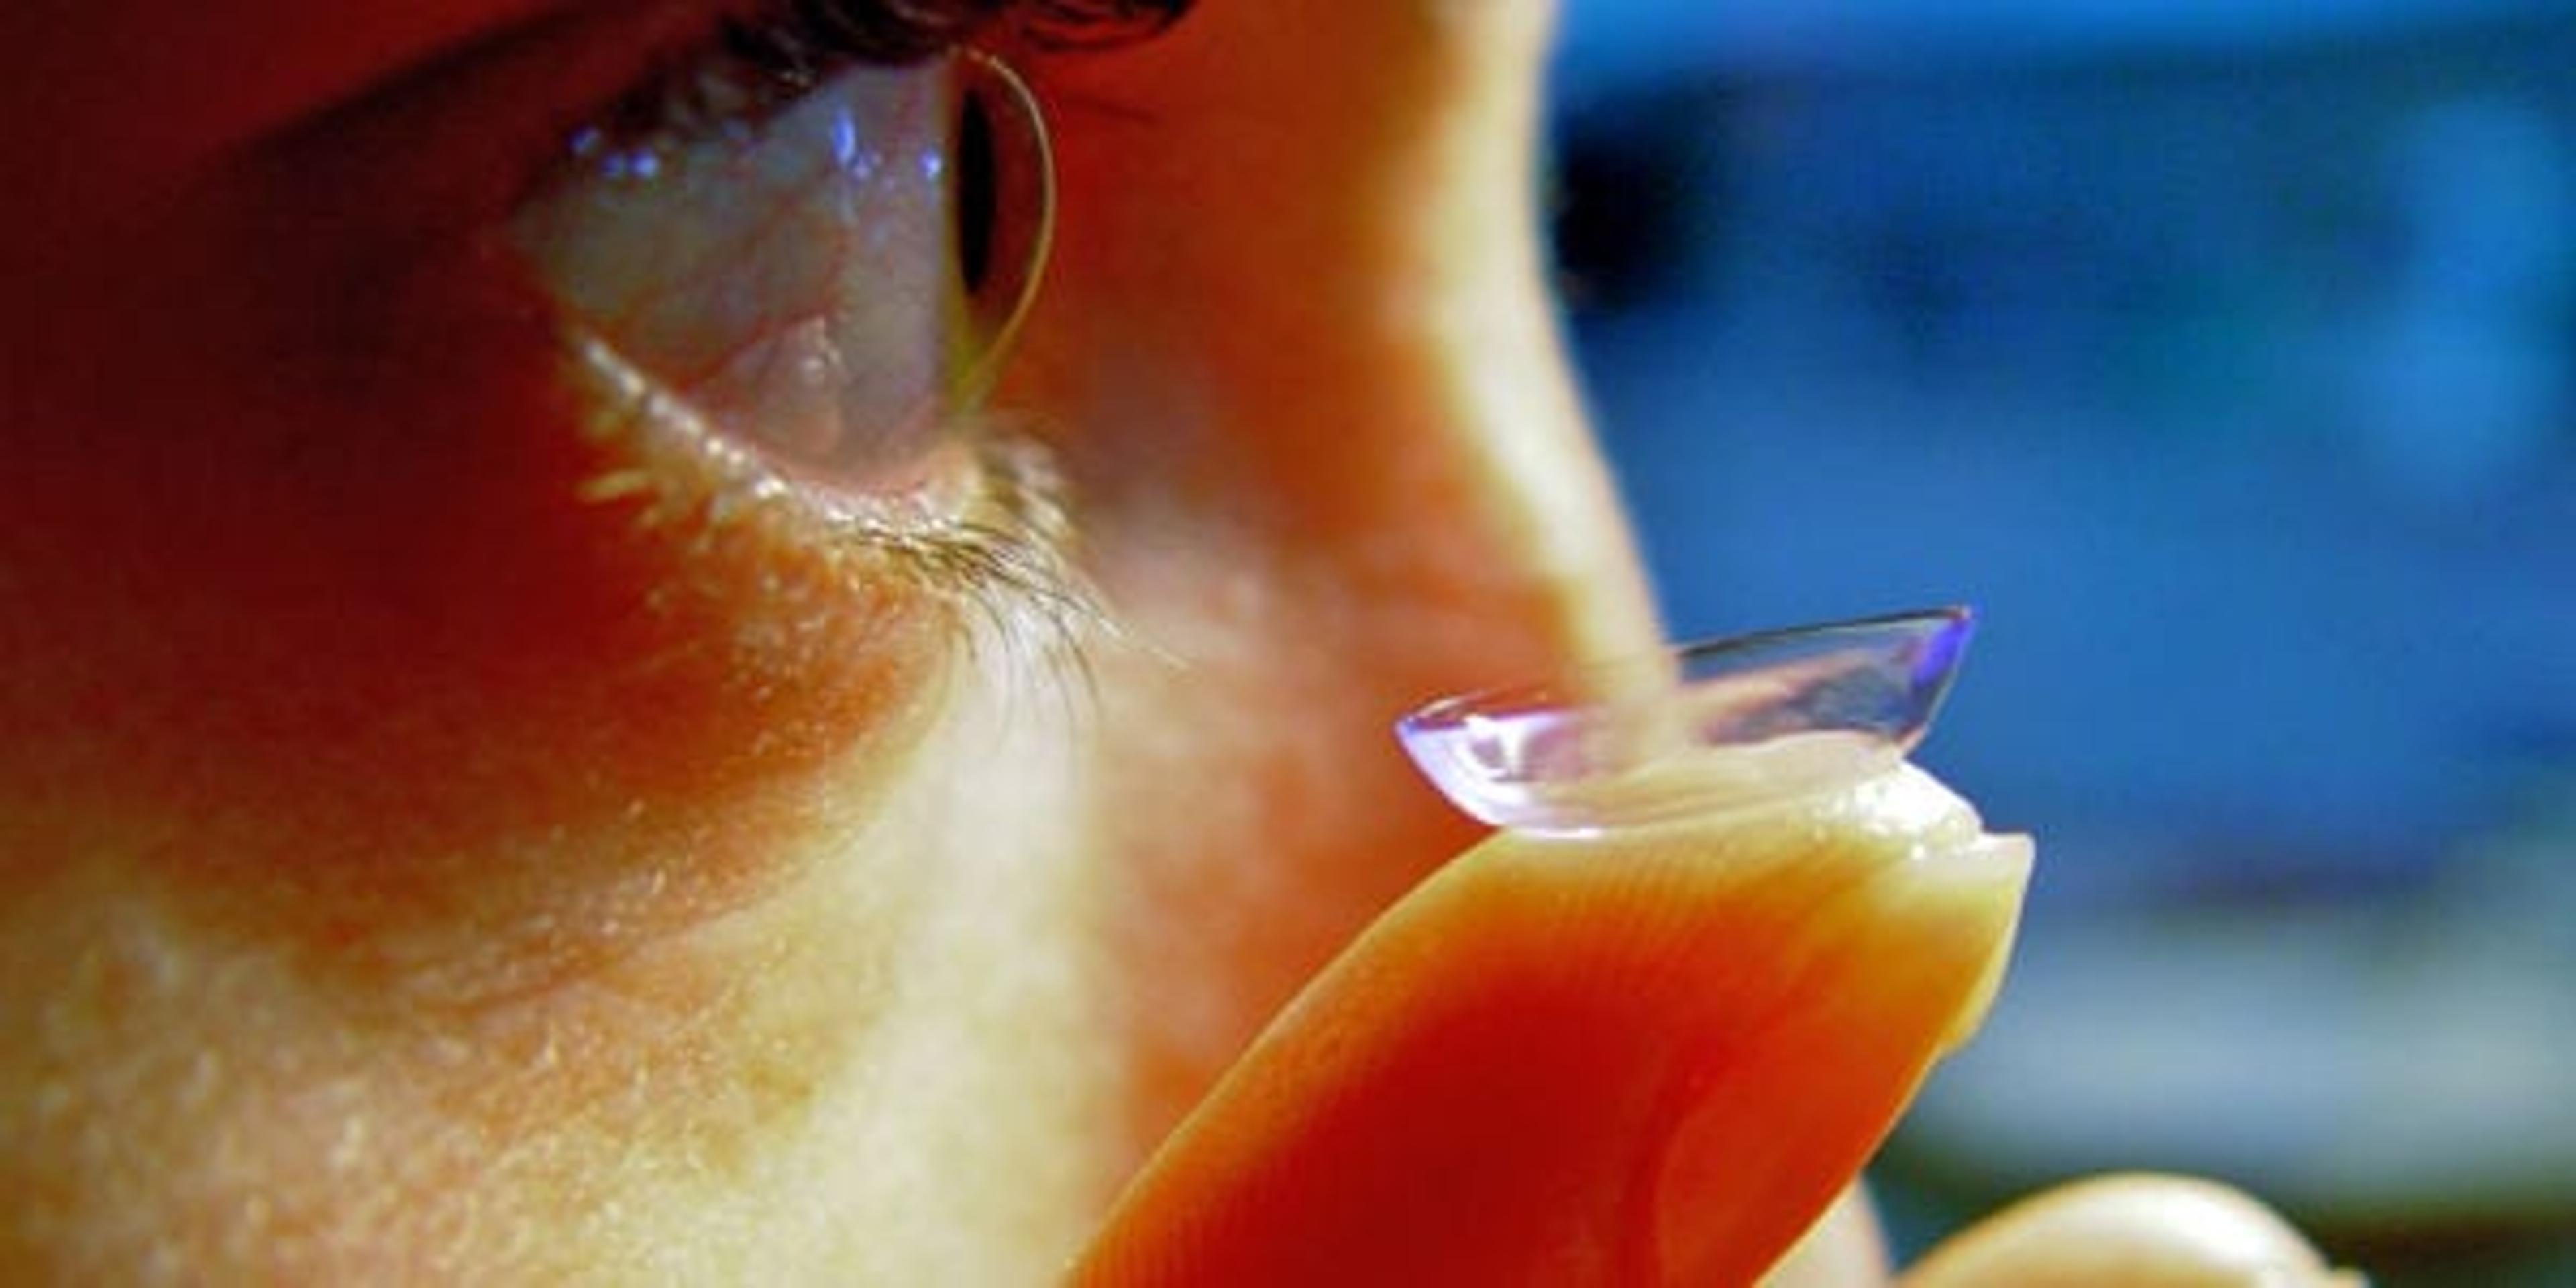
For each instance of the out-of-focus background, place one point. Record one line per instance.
(2224, 353)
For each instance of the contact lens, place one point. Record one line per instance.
(1719, 724)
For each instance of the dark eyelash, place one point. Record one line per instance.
(769, 55)
(1004, 564)
(1094, 24)
(786, 47)
(1009, 564)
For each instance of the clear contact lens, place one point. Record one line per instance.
(1709, 726)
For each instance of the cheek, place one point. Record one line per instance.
(367, 745)
(324, 565)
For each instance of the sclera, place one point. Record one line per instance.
(1720, 724)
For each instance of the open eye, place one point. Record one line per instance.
(829, 283)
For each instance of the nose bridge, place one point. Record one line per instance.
(1300, 277)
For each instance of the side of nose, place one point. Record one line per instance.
(1297, 355)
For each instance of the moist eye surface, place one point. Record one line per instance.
(827, 286)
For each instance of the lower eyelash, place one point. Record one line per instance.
(1003, 563)
(1008, 560)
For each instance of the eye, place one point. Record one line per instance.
(828, 282)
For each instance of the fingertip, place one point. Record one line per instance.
(1648, 1056)
(2134, 1230)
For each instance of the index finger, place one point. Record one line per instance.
(1643, 1056)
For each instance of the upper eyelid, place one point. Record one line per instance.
(757, 58)
(524, 90)
(751, 60)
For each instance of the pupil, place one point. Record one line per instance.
(978, 185)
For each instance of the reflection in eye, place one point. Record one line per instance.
(830, 282)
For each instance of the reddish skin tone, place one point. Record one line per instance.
(373, 797)
(417, 869)
(1533, 1072)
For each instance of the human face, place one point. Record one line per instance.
(421, 860)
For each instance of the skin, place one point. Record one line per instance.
(421, 865)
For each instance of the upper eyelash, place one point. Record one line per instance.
(756, 62)
(774, 53)
(1091, 24)
(764, 57)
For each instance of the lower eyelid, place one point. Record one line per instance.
(1002, 561)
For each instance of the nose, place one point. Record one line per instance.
(1297, 356)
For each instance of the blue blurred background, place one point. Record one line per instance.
(2225, 355)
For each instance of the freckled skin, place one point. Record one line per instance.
(417, 863)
